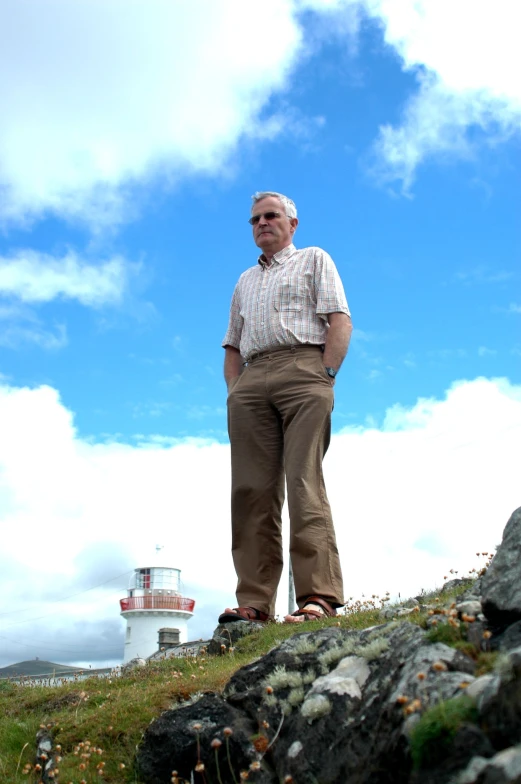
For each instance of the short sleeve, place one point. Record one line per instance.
(330, 295)
(235, 322)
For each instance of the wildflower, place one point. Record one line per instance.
(288, 779)
(216, 743)
(199, 767)
(487, 635)
(266, 725)
(255, 765)
(269, 690)
(244, 775)
(463, 685)
(197, 727)
(421, 676)
(439, 666)
(261, 743)
(227, 731)
(121, 766)
(82, 766)
(37, 767)
(193, 676)
(402, 699)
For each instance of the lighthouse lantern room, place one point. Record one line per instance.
(153, 602)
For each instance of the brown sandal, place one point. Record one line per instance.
(315, 615)
(243, 614)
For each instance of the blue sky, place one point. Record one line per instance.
(130, 144)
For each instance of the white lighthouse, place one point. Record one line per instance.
(154, 603)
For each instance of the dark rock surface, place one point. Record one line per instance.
(343, 706)
(501, 585)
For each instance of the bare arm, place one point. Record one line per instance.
(232, 364)
(337, 341)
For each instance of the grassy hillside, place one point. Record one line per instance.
(35, 667)
(99, 722)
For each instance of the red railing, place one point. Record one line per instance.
(157, 603)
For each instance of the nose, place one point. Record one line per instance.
(263, 221)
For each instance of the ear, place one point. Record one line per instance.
(294, 224)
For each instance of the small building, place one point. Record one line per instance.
(153, 604)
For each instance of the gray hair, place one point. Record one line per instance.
(288, 204)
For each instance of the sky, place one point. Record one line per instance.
(132, 137)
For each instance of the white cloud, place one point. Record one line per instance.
(33, 277)
(412, 499)
(466, 59)
(14, 335)
(483, 351)
(99, 94)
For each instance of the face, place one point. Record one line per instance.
(272, 234)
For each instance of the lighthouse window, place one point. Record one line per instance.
(144, 578)
(128, 632)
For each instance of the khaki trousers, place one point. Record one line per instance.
(279, 423)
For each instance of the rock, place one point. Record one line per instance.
(478, 687)
(500, 704)
(172, 741)
(133, 663)
(469, 607)
(501, 585)
(468, 742)
(227, 634)
(343, 706)
(503, 768)
(451, 584)
(509, 639)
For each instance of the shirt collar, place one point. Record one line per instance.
(280, 257)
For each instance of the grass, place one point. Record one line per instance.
(434, 733)
(99, 722)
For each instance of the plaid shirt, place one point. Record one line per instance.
(286, 303)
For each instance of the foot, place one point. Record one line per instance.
(314, 609)
(243, 614)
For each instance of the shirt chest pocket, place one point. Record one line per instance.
(288, 298)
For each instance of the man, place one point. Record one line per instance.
(288, 333)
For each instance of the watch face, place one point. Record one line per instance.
(331, 372)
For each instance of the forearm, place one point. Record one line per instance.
(233, 364)
(337, 341)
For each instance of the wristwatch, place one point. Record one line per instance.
(331, 372)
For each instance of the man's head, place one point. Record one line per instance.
(274, 220)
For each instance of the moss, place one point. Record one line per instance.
(296, 696)
(315, 706)
(486, 662)
(308, 677)
(374, 649)
(333, 655)
(305, 645)
(433, 735)
(281, 678)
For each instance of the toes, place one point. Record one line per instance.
(294, 619)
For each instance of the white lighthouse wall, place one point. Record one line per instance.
(142, 631)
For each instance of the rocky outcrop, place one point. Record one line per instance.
(386, 705)
(501, 586)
